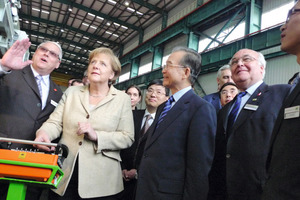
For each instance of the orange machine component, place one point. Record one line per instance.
(26, 172)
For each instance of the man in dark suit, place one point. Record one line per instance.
(26, 103)
(156, 94)
(180, 144)
(283, 161)
(223, 76)
(238, 170)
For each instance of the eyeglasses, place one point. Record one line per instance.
(226, 92)
(245, 59)
(167, 66)
(157, 92)
(52, 53)
(290, 13)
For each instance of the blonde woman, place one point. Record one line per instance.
(96, 123)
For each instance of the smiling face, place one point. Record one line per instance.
(155, 95)
(290, 40)
(44, 62)
(246, 69)
(99, 69)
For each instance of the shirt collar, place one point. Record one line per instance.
(252, 88)
(180, 93)
(147, 113)
(35, 74)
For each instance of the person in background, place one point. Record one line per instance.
(227, 93)
(28, 95)
(156, 94)
(85, 79)
(77, 82)
(283, 161)
(223, 76)
(179, 149)
(244, 130)
(135, 95)
(96, 123)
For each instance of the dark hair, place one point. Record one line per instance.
(226, 84)
(76, 81)
(136, 87)
(159, 82)
(192, 60)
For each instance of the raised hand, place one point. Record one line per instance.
(13, 58)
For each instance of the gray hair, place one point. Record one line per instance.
(192, 60)
(55, 43)
(219, 74)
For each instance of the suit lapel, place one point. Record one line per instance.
(224, 113)
(255, 99)
(171, 116)
(29, 78)
(287, 103)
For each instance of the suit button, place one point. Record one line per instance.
(38, 104)
(228, 155)
(145, 155)
(88, 116)
(80, 143)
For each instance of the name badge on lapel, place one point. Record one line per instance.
(53, 103)
(251, 107)
(292, 112)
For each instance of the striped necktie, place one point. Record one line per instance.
(146, 125)
(234, 111)
(167, 107)
(39, 79)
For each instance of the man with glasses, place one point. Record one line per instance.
(179, 149)
(156, 94)
(244, 130)
(227, 93)
(27, 96)
(283, 161)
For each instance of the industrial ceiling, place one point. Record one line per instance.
(83, 25)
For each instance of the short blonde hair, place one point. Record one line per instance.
(115, 63)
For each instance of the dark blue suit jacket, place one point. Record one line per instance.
(214, 99)
(283, 162)
(178, 154)
(240, 156)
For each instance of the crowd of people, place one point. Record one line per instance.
(240, 143)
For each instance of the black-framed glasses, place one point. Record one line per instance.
(52, 53)
(290, 13)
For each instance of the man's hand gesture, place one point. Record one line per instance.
(13, 58)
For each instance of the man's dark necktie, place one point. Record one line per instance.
(146, 125)
(234, 110)
(167, 107)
